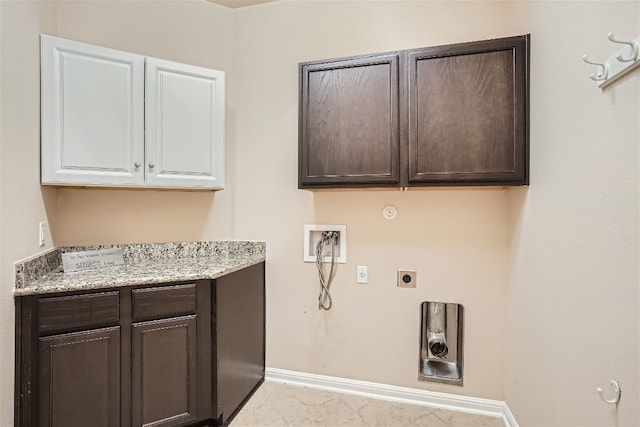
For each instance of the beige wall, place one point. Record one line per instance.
(262, 201)
(562, 252)
(573, 316)
(194, 32)
(456, 239)
(22, 202)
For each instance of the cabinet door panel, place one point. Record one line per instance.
(349, 122)
(240, 343)
(185, 125)
(467, 119)
(164, 372)
(80, 379)
(92, 114)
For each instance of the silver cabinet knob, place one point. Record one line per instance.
(137, 164)
(151, 166)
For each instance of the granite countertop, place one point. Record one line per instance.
(144, 264)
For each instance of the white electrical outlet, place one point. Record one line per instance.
(42, 233)
(363, 274)
(313, 234)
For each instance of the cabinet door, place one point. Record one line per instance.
(348, 124)
(468, 115)
(92, 114)
(79, 379)
(185, 119)
(240, 343)
(164, 372)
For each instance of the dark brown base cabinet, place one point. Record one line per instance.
(239, 339)
(436, 116)
(79, 379)
(176, 354)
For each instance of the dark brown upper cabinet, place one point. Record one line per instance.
(437, 116)
(468, 113)
(349, 122)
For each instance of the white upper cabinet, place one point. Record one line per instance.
(106, 121)
(92, 114)
(184, 116)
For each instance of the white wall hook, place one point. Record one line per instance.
(632, 45)
(616, 393)
(602, 72)
(617, 65)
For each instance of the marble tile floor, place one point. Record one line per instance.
(277, 404)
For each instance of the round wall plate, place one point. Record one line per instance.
(389, 212)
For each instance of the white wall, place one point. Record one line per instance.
(573, 316)
(22, 202)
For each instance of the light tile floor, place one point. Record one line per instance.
(276, 404)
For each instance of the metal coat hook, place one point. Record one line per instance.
(602, 72)
(632, 45)
(616, 393)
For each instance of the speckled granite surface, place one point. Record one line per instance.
(31, 269)
(145, 263)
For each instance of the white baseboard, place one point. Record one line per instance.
(453, 402)
(508, 418)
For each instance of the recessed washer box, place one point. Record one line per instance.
(313, 234)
